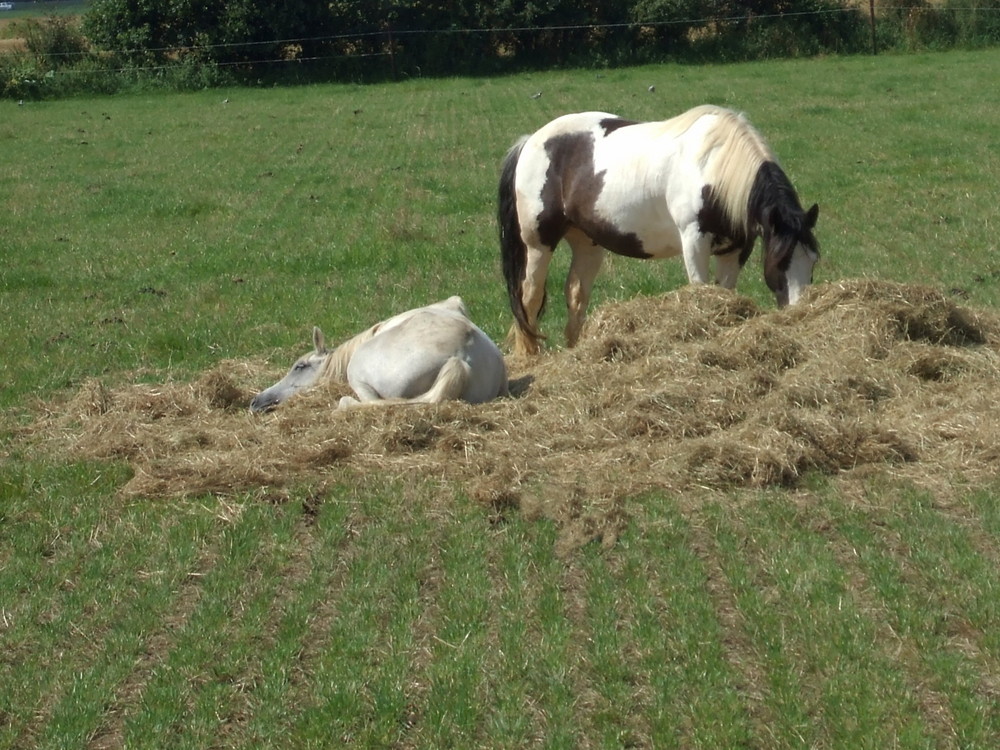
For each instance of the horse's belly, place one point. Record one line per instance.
(663, 245)
(399, 374)
(630, 220)
(416, 374)
(639, 232)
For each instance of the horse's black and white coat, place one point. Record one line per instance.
(702, 184)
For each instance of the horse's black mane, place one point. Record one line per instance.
(773, 211)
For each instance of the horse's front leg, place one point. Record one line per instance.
(727, 269)
(697, 248)
(364, 392)
(583, 269)
(348, 402)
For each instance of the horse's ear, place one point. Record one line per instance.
(811, 215)
(319, 342)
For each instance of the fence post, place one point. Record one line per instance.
(392, 54)
(871, 11)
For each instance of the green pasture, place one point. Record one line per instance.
(149, 237)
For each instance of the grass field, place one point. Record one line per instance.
(147, 238)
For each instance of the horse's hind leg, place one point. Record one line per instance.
(587, 259)
(533, 299)
(449, 384)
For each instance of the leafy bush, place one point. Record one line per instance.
(56, 42)
(977, 22)
(53, 45)
(20, 78)
(926, 25)
(189, 44)
(775, 29)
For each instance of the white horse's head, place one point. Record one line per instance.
(303, 374)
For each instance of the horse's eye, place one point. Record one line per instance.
(300, 366)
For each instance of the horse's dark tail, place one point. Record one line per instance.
(513, 252)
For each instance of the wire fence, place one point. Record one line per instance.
(400, 47)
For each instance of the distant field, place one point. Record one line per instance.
(11, 21)
(147, 239)
(43, 8)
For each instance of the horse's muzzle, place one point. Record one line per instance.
(262, 402)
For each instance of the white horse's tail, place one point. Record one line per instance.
(450, 383)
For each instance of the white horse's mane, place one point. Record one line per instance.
(731, 154)
(334, 367)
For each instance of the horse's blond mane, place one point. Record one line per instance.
(732, 152)
(334, 367)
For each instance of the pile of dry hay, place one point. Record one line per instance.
(693, 389)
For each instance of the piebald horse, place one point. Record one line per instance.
(426, 355)
(702, 184)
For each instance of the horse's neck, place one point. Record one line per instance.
(335, 367)
(771, 189)
(736, 154)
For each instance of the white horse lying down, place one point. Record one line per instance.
(426, 355)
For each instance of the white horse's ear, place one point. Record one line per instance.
(319, 342)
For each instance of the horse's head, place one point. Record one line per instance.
(304, 373)
(790, 251)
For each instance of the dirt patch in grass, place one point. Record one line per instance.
(694, 390)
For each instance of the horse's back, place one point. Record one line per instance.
(574, 122)
(626, 141)
(453, 306)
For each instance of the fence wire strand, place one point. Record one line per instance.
(390, 33)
